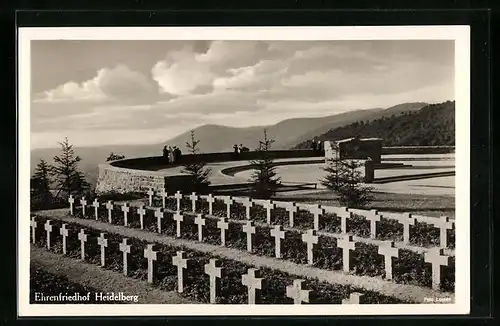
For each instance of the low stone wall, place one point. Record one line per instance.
(121, 180)
(418, 150)
(157, 162)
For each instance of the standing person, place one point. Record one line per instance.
(171, 155)
(177, 154)
(240, 149)
(235, 151)
(165, 153)
(313, 144)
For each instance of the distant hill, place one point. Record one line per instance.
(217, 138)
(287, 133)
(432, 125)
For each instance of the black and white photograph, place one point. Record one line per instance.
(181, 170)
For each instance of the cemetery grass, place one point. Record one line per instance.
(419, 204)
(50, 284)
(196, 286)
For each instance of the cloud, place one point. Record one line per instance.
(119, 83)
(244, 83)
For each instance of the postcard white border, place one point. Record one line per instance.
(461, 36)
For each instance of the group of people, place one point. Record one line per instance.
(172, 154)
(239, 149)
(317, 145)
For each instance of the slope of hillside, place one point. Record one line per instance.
(367, 115)
(432, 125)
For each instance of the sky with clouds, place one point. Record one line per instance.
(133, 92)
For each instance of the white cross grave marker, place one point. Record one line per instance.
(214, 270)
(347, 244)
(407, 220)
(278, 234)
(291, 208)
(268, 206)
(95, 204)
(228, 200)
(159, 214)
(388, 250)
(200, 221)
(150, 254)
(71, 201)
(437, 258)
(311, 239)
(178, 197)
(374, 217)
(150, 193)
(64, 233)
(444, 223)
(141, 211)
(248, 203)
(296, 293)
(253, 282)
(48, 228)
(193, 198)
(33, 228)
(316, 210)
(223, 225)
(164, 196)
(249, 229)
(125, 248)
(109, 207)
(103, 243)
(354, 298)
(125, 210)
(210, 200)
(344, 215)
(83, 202)
(178, 219)
(181, 264)
(83, 238)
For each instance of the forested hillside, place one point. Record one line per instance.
(433, 125)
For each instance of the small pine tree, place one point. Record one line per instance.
(265, 179)
(65, 171)
(200, 174)
(353, 193)
(40, 186)
(333, 171)
(344, 178)
(114, 157)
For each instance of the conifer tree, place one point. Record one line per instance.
(200, 175)
(344, 178)
(352, 191)
(40, 185)
(265, 179)
(68, 178)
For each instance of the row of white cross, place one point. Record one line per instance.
(252, 280)
(443, 223)
(435, 257)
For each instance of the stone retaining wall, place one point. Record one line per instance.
(121, 180)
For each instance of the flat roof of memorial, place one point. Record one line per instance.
(362, 139)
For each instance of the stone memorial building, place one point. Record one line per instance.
(354, 148)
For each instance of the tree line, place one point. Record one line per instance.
(432, 125)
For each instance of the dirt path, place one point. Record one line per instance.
(98, 278)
